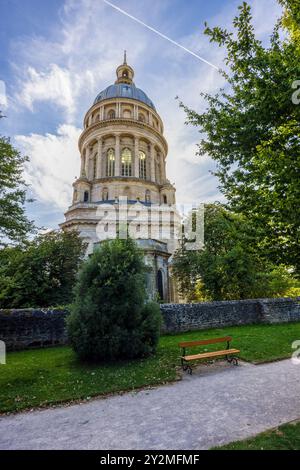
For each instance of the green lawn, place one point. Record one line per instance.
(46, 376)
(286, 437)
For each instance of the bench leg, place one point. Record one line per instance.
(185, 366)
(232, 360)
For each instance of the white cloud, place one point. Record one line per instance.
(55, 85)
(71, 67)
(54, 163)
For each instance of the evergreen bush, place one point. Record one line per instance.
(110, 318)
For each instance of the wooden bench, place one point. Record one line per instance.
(229, 353)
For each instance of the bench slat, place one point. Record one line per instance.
(225, 352)
(189, 344)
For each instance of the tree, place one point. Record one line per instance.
(251, 129)
(109, 318)
(230, 266)
(41, 273)
(291, 19)
(14, 224)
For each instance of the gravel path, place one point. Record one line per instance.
(216, 405)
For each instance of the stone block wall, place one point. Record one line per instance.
(29, 328)
(32, 328)
(187, 317)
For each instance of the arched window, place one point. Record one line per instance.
(111, 114)
(105, 194)
(141, 117)
(126, 159)
(110, 162)
(165, 199)
(160, 285)
(147, 196)
(142, 164)
(106, 228)
(86, 196)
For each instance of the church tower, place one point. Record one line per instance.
(123, 180)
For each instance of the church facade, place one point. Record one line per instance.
(123, 188)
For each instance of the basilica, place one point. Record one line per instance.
(122, 188)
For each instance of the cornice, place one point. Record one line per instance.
(123, 121)
(68, 223)
(126, 179)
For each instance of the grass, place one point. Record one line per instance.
(286, 437)
(43, 377)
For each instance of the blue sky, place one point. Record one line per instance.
(56, 56)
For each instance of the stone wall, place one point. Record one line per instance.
(187, 317)
(29, 328)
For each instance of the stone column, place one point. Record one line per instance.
(118, 110)
(136, 157)
(135, 112)
(87, 161)
(99, 159)
(82, 164)
(152, 162)
(162, 167)
(117, 155)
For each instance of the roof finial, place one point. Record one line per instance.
(125, 73)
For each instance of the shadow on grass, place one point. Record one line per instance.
(44, 377)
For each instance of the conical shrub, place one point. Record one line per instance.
(110, 318)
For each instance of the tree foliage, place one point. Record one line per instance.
(14, 224)
(41, 273)
(231, 265)
(109, 317)
(251, 128)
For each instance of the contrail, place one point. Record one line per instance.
(160, 34)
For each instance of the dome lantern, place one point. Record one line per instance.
(124, 87)
(125, 73)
